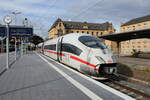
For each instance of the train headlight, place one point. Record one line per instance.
(100, 59)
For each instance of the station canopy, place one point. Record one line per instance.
(124, 36)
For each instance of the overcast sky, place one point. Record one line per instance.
(42, 13)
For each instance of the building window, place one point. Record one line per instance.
(128, 29)
(145, 26)
(87, 32)
(77, 31)
(123, 29)
(139, 42)
(133, 42)
(71, 31)
(133, 27)
(59, 24)
(145, 41)
(82, 31)
(101, 33)
(96, 33)
(59, 32)
(138, 27)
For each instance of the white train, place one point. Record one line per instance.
(82, 52)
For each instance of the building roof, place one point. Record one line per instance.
(83, 25)
(137, 20)
(124, 36)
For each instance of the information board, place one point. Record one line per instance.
(20, 32)
(17, 31)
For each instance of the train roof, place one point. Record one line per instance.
(71, 36)
(76, 35)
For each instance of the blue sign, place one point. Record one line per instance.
(20, 32)
(17, 31)
(2, 31)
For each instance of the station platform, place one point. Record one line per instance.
(3, 61)
(37, 77)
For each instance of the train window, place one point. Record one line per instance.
(50, 47)
(71, 49)
(92, 42)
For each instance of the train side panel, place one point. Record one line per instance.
(49, 49)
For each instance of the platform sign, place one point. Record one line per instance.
(20, 32)
(2, 31)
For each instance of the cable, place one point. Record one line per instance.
(86, 9)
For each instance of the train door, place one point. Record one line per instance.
(59, 49)
(66, 56)
(89, 55)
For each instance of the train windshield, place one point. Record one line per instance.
(92, 42)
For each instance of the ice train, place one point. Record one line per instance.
(82, 52)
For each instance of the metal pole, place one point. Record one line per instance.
(25, 45)
(15, 50)
(7, 47)
(15, 14)
(1, 46)
(21, 46)
(7, 20)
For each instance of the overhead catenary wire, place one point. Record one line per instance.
(82, 12)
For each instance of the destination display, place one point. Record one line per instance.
(17, 31)
(20, 32)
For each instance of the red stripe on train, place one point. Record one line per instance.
(61, 54)
(82, 61)
(72, 57)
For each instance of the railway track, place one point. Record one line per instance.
(137, 94)
(114, 83)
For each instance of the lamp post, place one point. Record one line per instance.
(15, 14)
(7, 20)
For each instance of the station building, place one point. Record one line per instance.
(142, 45)
(60, 28)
